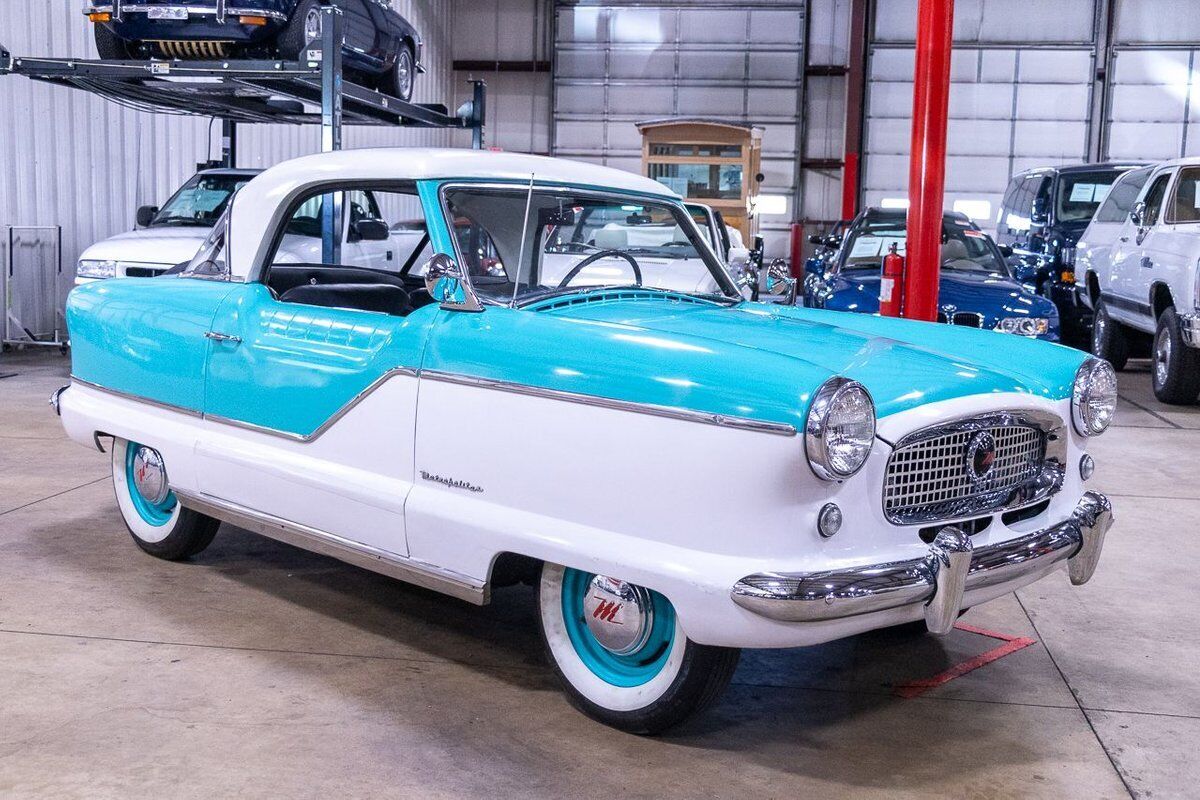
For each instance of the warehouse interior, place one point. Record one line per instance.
(261, 669)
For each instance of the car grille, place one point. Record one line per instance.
(930, 478)
(144, 272)
(968, 319)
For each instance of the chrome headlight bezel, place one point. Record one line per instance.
(827, 401)
(96, 268)
(1023, 326)
(1094, 375)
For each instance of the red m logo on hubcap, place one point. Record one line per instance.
(607, 611)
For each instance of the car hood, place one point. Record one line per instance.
(161, 245)
(776, 356)
(990, 295)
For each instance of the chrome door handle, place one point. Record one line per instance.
(222, 337)
(1147, 263)
(1124, 238)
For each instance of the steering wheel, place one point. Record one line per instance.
(594, 257)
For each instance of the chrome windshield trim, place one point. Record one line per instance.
(651, 409)
(138, 398)
(411, 570)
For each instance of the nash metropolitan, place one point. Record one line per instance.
(558, 395)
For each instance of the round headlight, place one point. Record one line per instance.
(840, 429)
(1094, 399)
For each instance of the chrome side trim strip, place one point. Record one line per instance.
(836, 594)
(327, 424)
(137, 398)
(670, 412)
(410, 570)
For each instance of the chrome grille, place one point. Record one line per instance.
(929, 478)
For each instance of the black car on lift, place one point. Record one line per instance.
(381, 49)
(1043, 214)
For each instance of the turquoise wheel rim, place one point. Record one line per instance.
(633, 669)
(156, 514)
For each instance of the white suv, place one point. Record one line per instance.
(1136, 267)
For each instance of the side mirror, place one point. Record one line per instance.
(447, 283)
(1137, 214)
(1041, 211)
(369, 230)
(1006, 250)
(145, 215)
(739, 256)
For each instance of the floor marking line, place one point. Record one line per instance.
(52, 496)
(1151, 412)
(1011, 645)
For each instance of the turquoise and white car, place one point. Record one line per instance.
(555, 398)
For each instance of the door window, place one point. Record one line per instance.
(1185, 206)
(1115, 207)
(1154, 199)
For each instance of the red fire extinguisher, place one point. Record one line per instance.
(891, 283)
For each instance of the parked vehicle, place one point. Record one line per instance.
(474, 423)
(1141, 277)
(725, 240)
(1041, 217)
(381, 47)
(168, 237)
(975, 288)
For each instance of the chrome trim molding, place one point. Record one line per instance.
(939, 580)
(410, 570)
(137, 398)
(191, 9)
(670, 412)
(54, 399)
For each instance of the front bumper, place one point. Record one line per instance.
(939, 580)
(1189, 329)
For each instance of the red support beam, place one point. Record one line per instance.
(927, 166)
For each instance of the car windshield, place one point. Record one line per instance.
(964, 247)
(578, 240)
(1079, 194)
(201, 200)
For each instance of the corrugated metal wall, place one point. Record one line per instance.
(71, 159)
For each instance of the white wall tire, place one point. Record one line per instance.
(668, 680)
(164, 529)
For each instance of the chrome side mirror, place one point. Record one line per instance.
(1137, 214)
(447, 283)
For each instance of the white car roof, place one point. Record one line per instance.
(274, 189)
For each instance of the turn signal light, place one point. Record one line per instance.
(1067, 276)
(252, 20)
(100, 16)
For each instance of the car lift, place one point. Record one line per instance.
(308, 91)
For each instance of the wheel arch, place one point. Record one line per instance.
(1092, 282)
(1160, 298)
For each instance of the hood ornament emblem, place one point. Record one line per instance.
(980, 456)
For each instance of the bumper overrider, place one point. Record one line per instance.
(938, 581)
(1189, 329)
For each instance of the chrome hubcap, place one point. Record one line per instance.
(619, 614)
(312, 25)
(149, 476)
(1162, 356)
(404, 72)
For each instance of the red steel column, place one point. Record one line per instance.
(927, 168)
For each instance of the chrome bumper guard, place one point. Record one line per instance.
(54, 398)
(1189, 329)
(950, 568)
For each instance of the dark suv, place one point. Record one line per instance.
(1043, 214)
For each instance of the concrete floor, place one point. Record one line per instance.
(261, 670)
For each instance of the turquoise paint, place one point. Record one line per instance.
(156, 514)
(440, 237)
(144, 336)
(297, 365)
(633, 669)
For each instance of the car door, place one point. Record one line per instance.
(361, 35)
(1168, 253)
(310, 406)
(1133, 256)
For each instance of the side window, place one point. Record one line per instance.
(1154, 199)
(1006, 205)
(1115, 207)
(1186, 204)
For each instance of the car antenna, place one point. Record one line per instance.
(521, 251)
